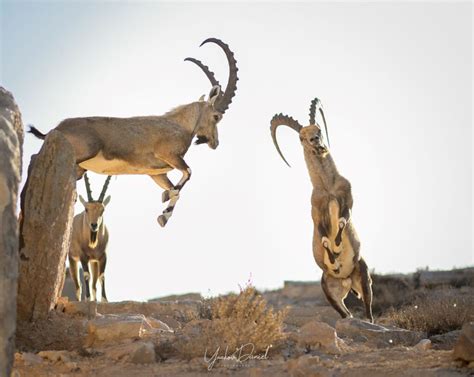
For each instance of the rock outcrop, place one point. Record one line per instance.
(377, 335)
(464, 348)
(47, 212)
(11, 140)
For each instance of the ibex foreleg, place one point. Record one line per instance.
(171, 192)
(74, 272)
(87, 275)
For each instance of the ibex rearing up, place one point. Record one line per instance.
(89, 243)
(152, 145)
(335, 242)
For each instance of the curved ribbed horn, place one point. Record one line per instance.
(210, 75)
(317, 105)
(104, 189)
(283, 120)
(88, 188)
(312, 111)
(222, 103)
(325, 125)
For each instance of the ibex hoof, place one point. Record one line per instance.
(326, 243)
(162, 220)
(165, 196)
(342, 223)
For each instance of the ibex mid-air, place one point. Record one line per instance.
(89, 243)
(152, 145)
(335, 243)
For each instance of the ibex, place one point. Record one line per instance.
(152, 145)
(336, 245)
(89, 243)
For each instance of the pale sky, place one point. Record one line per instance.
(396, 84)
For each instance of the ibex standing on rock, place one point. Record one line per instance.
(89, 243)
(335, 242)
(152, 145)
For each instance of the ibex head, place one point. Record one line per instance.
(94, 209)
(310, 136)
(218, 101)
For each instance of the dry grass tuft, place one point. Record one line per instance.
(235, 321)
(436, 313)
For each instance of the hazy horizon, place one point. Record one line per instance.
(396, 84)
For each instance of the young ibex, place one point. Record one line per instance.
(335, 242)
(152, 145)
(89, 243)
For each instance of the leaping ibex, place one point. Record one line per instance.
(335, 243)
(152, 145)
(89, 243)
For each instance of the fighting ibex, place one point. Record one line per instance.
(152, 145)
(89, 243)
(335, 242)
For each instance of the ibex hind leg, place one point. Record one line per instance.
(74, 272)
(362, 284)
(336, 291)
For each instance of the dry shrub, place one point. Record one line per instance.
(235, 320)
(436, 313)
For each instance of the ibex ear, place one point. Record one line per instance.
(201, 99)
(214, 94)
(106, 201)
(82, 200)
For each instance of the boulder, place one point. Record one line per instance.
(445, 341)
(464, 348)
(115, 329)
(137, 352)
(11, 141)
(45, 230)
(320, 335)
(376, 335)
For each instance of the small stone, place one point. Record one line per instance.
(55, 356)
(29, 358)
(423, 345)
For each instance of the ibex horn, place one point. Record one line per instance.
(224, 100)
(88, 188)
(104, 189)
(316, 104)
(283, 120)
